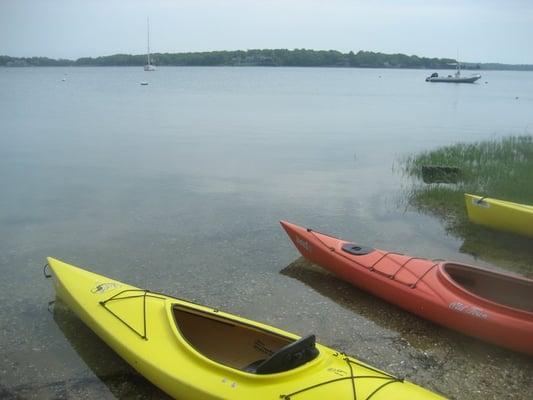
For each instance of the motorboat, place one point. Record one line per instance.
(455, 78)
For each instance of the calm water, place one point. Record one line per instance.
(178, 186)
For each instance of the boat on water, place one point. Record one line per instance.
(148, 66)
(500, 214)
(493, 306)
(455, 78)
(192, 351)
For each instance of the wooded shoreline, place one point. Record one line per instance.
(264, 58)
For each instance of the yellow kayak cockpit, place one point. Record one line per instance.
(241, 346)
(222, 340)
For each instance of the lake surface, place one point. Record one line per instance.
(178, 187)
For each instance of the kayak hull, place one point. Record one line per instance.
(140, 326)
(427, 288)
(500, 215)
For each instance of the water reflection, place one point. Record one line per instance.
(504, 250)
(378, 311)
(510, 251)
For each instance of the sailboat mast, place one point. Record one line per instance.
(148, 43)
(458, 73)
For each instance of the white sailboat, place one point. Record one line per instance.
(148, 66)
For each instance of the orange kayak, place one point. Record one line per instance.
(495, 307)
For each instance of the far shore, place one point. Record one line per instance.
(265, 58)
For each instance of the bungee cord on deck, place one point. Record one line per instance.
(389, 379)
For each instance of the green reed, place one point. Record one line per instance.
(500, 168)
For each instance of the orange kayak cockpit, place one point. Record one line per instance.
(498, 289)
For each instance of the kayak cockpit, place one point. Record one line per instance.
(506, 290)
(239, 345)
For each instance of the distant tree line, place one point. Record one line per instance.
(270, 58)
(7, 61)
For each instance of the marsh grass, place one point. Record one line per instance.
(500, 168)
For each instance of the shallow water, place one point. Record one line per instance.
(178, 186)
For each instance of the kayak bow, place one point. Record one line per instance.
(500, 214)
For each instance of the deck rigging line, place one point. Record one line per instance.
(383, 375)
(384, 255)
(144, 295)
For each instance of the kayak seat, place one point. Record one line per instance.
(288, 357)
(225, 340)
(253, 366)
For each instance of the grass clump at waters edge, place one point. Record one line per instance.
(499, 168)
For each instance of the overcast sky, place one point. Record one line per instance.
(477, 30)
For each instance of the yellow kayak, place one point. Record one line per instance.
(196, 352)
(500, 214)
